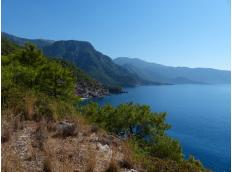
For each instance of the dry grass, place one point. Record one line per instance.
(17, 123)
(40, 135)
(113, 167)
(10, 123)
(91, 161)
(29, 106)
(61, 109)
(58, 154)
(11, 163)
(129, 158)
(90, 167)
(47, 165)
(82, 124)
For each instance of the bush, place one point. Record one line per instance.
(37, 87)
(127, 119)
(166, 148)
(28, 69)
(145, 128)
(195, 162)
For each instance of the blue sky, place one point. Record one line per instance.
(193, 33)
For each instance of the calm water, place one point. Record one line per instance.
(199, 115)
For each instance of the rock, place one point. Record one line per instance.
(105, 141)
(66, 129)
(103, 157)
(103, 148)
(130, 170)
(93, 138)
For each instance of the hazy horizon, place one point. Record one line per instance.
(189, 34)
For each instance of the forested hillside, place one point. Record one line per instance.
(85, 85)
(84, 56)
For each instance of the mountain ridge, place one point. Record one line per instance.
(135, 58)
(83, 54)
(162, 73)
(21, 41)
(86, 87)
(122, 71)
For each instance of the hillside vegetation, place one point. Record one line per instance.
(44, 128)
(85, 86)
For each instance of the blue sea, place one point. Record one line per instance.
(199, 115)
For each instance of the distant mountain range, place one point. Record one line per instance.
(174, 75)
(122, 71)
(84, 56)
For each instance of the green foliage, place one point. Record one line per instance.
(139, 122)
(35, 86)
(195, 162)
(56, 80)
(145, 132)
(29, 69)
(81, 77)
(151, 163)
(30, 56)
(52, 108)
(7, 46)
(126, 117)
(166, 148)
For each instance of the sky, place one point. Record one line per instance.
(192, 33)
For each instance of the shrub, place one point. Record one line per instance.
(37, 87)
(166, 148)
(195, 162)
(29, 106)
(28, 69)
(127, 119)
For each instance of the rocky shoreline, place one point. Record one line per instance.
(85, 90)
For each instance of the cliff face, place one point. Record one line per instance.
(41, 146)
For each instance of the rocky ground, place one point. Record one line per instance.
(64, 146)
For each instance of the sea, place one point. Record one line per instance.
(199, 116)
